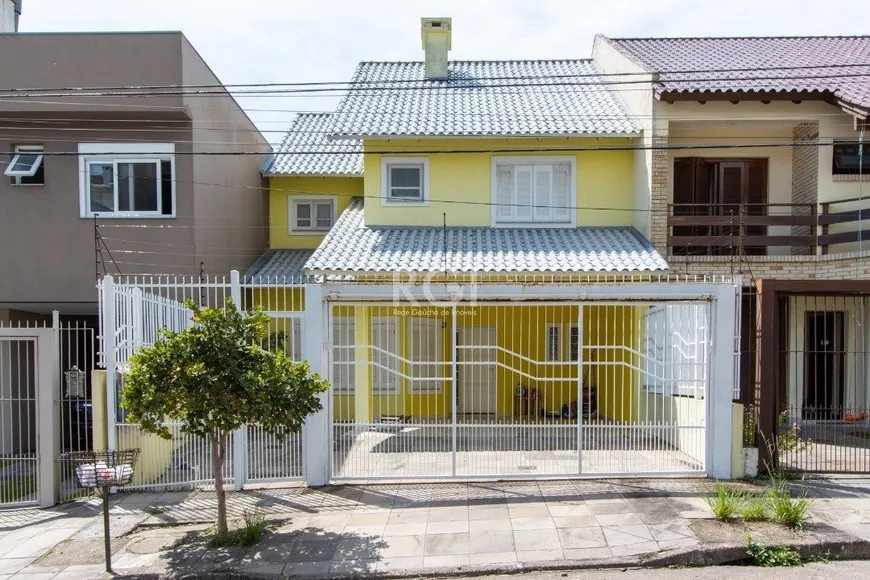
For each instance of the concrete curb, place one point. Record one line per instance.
(842, 549)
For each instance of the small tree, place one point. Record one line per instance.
(214, 378)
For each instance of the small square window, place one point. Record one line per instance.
(26, 166)
(311, 215)
(404, 180)
(848, 161)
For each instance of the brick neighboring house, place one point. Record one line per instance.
(122, 161)
(788, 207)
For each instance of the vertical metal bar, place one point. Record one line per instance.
(454, 390)
(581, 345)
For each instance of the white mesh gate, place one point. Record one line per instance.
(133, 312)
(18, 420)
(512, 389)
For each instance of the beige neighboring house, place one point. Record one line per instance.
(755, 162)
(120, 158)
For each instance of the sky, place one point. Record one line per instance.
(265, 41)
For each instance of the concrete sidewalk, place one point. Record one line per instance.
(415, 529)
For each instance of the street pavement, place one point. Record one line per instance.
(404, 529)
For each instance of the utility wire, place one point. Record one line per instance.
(462, 151)
(497, 77)
(386, 86)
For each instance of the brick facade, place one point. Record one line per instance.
(659, 191)
(844, 266)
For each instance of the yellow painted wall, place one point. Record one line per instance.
(522, 334)
(155, 453)
(280, 191)
(604, 179)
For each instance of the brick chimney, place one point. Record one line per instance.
(10, 12)
(436, 33)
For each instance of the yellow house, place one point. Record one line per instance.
(435, 191)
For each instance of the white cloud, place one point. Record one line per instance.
(248, 41)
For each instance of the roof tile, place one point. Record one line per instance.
(836, 65)
(307, 151)
(352, 248)
(486, 98)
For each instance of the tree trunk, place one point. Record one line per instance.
(218, 456)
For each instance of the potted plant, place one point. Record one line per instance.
(750, 447)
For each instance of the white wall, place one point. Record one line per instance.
(638, 98)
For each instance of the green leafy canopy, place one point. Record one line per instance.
(215, 377)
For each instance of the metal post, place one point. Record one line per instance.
(107, 538)
(581, 400)
(453, 395)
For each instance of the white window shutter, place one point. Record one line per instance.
(524, 196)
(562, 202)
(543, 197)
(505, 193)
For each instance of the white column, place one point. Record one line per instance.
(722, 380)
(316, 437)
(109, 344)
(240, 436)
(47, 417)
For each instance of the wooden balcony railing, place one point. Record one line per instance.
(754, 229)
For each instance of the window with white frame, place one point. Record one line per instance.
(405, 180)
(127, 180)
(533, 190)
(26, 166)
(554, 342)
(343, 355)
(561, 348)
(311, 214)
(385, 355)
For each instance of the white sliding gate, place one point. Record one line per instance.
(132, 314)
(538, 388)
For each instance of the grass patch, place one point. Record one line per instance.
(249, 534)
(756, 509)
(768, 556)
(726, 503)
(18, 488)
(793, 512)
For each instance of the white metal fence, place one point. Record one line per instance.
(614, 379)
(507, 389)
(133, 313)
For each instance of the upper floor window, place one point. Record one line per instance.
(405, 180)
(847, 160)
(311, 214)
(26, 166)
(127, 180)
(531, 190)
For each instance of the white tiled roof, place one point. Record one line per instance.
(276, 266)
(352, 248)
(487, 98)
(307, 151)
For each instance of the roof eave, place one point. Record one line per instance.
(346, 175)
(325, 272)
(615, 135)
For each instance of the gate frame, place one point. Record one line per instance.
(771, 323)
(718, 400)
(47, 412)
